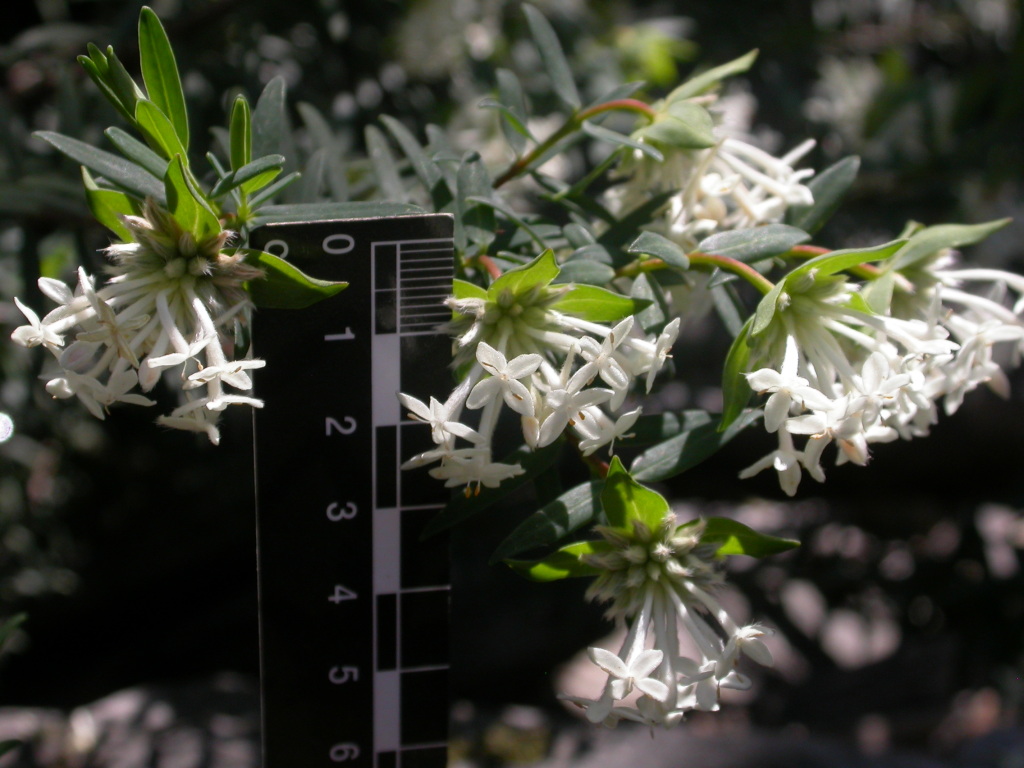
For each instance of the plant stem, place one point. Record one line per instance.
(571, 125)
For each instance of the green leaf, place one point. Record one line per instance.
(160, 73)
(838, 261)
(710, 79)
(755, 243)
(473, 220)
(137, 152)
(108, 206)
(158, 130)
(270, 190)
(735, 390)
(598, 305)
(462, 507)
(539, 272)
(462, 289)
(97, 68)
(552, 57)
(8, 746)
(389, 180)
(682, 125)
(285, 286)
(186, 203)
(563, 564)
(572, 510)
(117, 170)
(738, 539)
(928, 241)
(512, 103)
(765, 312)
(276, 214)
(422, 166)
(251, 176)
(659, 246)
(656, 314)
(271, 130)
(626, 501)
(240, 133)
(585, 271)
(687, 449)
(620, 139)
(657, 428)
(828, 188)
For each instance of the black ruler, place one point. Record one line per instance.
(353, 606)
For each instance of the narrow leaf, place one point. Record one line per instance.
(736, 392)
(425, 170)
(159, 132)
(108, 206)
(97, 74)
(137, 152)
(539, 272)
(462, 507)
(755, 243)
(739, 539)
(160, 73)
(389, 180)
(928, 241)
(688, 449)
(572, 510)
(837, 261)
(240, 133)
(552, 57)
(117, 170)
(251, 176)
(585, 271)
(285, 286)
(708, 80)
(271, 130)
(684, 125)
(621, 140)
(828, 189)
(598, 305)
(659, 246)
(626, 501)
(563, 564)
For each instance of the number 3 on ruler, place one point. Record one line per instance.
(345, 427)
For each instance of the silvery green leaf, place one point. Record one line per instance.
(553, 58)
(116, 170)
(828, 189)
(653, 244)
(755, 243)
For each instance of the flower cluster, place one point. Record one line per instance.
(661, 581)
(851, 376)
(732, 184)
(172, 303)
(522, 347)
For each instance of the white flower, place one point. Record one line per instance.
(504, 379)
(634, 672)
(36, 332)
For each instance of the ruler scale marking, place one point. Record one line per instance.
(353, 625)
